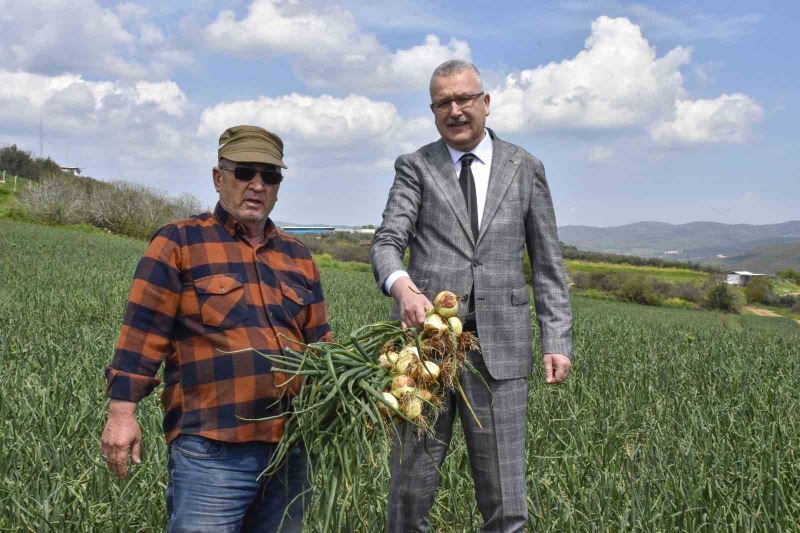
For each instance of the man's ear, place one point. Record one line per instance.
(216, 174)
(486, 102)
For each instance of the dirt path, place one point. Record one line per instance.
(760, 312)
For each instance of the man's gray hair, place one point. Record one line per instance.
(454, 66)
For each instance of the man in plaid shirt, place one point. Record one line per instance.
(209, 292)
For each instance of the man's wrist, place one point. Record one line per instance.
(400, 288)
(393, 277)
(121, 408)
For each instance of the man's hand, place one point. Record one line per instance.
(121, 436)
(413, 304)
(556, 368)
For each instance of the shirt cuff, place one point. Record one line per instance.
(127, 386)
(394, 276)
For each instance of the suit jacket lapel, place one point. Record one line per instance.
(504, 166)
(444, 174)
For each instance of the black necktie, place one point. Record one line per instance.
(468, 189)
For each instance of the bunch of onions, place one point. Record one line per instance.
(357, 394)
(430, 365)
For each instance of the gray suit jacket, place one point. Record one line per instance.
(426, 213)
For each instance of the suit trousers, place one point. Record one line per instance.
(496, 456)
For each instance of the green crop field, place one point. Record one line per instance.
(672, 419)
(674, 275)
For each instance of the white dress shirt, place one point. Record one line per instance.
(481, 167)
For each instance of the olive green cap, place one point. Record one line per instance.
(251, 144)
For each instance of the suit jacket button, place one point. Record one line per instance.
(476, 263)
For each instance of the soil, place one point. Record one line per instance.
(760, 312)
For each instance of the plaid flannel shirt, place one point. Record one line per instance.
(203, 300)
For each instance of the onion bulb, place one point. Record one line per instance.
(424, 395)
(434, 324)
(392, 357)
(392, 401)
(383, 360)
(409, 350)
(455, 325)
(402, 385)
(407, 360)
(406, 365)
(412, 408)
(429, 371)
(446, 304)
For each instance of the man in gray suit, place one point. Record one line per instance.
(467, 206)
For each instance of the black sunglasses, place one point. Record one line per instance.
(268, 175)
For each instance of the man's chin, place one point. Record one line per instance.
(462, 142)
(250, 216)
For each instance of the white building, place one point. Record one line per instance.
(741, 277)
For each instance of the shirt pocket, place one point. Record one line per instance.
(296, 299)
(221, 298)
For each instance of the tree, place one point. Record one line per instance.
(722, 298)
(759, 290)
(790, 274)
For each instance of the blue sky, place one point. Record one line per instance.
(667, 111)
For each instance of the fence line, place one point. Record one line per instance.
(6, 176)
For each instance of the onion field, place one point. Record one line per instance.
(672, 419)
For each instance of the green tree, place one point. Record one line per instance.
(790, 274)
(640, 290)
(759, 291)
(722, 298)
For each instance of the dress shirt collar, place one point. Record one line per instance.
(483, 152)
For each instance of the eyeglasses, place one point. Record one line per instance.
(442, 106)
(268, 175)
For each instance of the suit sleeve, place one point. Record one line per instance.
(399, 221)
(549, 280)
(147, 329)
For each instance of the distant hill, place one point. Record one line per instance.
(768, 259)
(763, 248)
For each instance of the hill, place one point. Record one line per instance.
(737, 246)
(770, 258)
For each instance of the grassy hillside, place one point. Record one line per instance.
(766, 259)
(675, 275)
(7, 196)
(672, 420)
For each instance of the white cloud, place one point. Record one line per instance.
(68, 99)
(726, 119)
(327, 46)
(408, 69)
(166, 95)
(618, 83)
(136, 123)
(61, 36)
(615, 82)
(276, 27)
(316, 121)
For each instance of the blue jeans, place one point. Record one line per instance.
(215, 486)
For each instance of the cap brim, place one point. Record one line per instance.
(253, 157)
